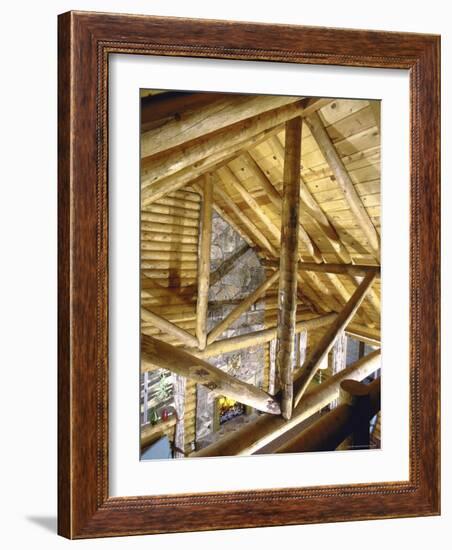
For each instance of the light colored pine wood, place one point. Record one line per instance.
(253, 230)
(151, 433)
(343, 179)
(179, 158)
(182, 335)
(204, 262)
(169, 260)
(350, 269)
(225, 111)
(321, 350)
(152, 192)
(260, 337)
(288, 264)
(255, 435)
(158, 354)
(275, 198)
(262, 179)
(364, 334)
(274, 231)
(310, 207)
(159, 228)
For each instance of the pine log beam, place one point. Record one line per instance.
(251, 227)
(272, 367)
(275, 231)
(288, 264)
(313, 305)
(350, 269)
(228, 177)
(151, 192)
(227, 218)
(266, 184)
(372, 298)
(265, 429)
(364, 334)
(301, 348)
(275, 198)
(321, 297)
(205, 239)
(310, 207)
(241, 308)
(344, 181)
(339, 355)
(178, 158)
(158, 354)
(326, 343)
(166, 326)
(345, 294)
(259, 337)
(184, 126)
(327, 433)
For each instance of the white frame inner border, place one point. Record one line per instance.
(128, 476)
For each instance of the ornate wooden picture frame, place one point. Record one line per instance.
(86, 40)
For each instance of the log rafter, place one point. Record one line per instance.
(259, 337)
(189, 172)
(168, 181)
(214, 115)
(241, 308)
(344, 181)
(326, 343)
(158, 354)
(170, 162)
(182, 335)
(311, 208)
(275, 198)
(253, 230)
(350, 269)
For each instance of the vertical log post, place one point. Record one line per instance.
(204, 263)
(287, 296)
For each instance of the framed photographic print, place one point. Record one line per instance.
(248, 275)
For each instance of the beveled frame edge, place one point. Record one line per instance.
(85, 42)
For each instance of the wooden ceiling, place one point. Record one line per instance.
(239, 140)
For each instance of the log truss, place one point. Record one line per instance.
(216, 149)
